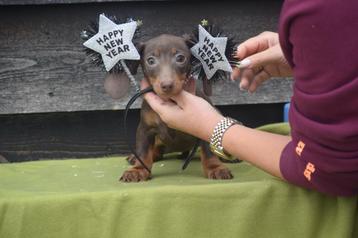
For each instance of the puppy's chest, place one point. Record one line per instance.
(172, 140)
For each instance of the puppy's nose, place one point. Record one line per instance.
(166, 87)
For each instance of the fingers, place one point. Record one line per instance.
(251, 79)
(235, 74)
(239, 67)
(263, 58)
(164, 107)
(258, 80)
(244, 50)
(168, 111)
(249, 52)
(251, 46)
(255, 63)
(154, 101)
(246, 78)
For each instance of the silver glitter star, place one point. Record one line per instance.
(211, 53)
(114, 42)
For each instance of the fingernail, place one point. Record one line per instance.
(243, 63)
(242, 88)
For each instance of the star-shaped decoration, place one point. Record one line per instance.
(211, 53)
(139, 22)
(204, 22)
(114, 42)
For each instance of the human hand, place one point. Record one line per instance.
(185, 112)
(261, 58)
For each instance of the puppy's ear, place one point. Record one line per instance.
(189, 43)
(188, 40)
(207, 87)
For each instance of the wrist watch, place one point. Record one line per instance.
(217, 137)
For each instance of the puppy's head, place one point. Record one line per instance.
(166, 64)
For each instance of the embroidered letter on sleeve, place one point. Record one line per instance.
(310, 169)
(300, 147)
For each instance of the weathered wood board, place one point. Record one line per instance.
(39, 2)
(43, 67)
(40, 136)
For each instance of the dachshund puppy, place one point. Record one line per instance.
(166, 65)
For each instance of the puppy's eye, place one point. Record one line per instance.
(151, 61)
(180, 58)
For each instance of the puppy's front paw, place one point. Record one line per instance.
(135, 175)
(219, 172)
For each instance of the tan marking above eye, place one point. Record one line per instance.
(174, 51)
(157, 52)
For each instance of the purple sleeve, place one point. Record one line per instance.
(292, 168)
(320, 40)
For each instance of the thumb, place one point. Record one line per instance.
(155, 102)
(159, 105)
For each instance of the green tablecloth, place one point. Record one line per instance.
(83, 198)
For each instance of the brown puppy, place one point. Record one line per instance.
(166, 65)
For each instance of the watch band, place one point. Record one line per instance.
(217, 136)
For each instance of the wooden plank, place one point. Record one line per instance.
(42, 136)
(43, 67)
(40, 2)
(63, 135)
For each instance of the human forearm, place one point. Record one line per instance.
(259, 148)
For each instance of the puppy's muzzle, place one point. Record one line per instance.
(167, 87)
